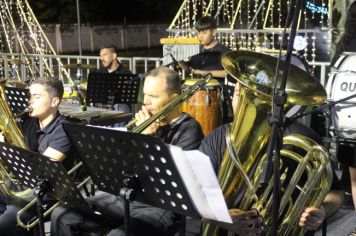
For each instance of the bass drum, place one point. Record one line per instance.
(205, 105)
(342, 83)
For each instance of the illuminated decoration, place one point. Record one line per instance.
(316, 9)
(257, 25)
(21, 35)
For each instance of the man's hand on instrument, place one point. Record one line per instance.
(312, 218)
(144, 115)
(244, 222)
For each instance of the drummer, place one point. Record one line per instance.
(211, 51)
(111, 65)
(208, 61)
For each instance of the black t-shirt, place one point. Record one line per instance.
(184, 132)
(208, 59)
(214, 144)
(120, 70)
(52, 135)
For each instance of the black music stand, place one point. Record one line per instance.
(17, 98)
(112, 88)
(38, 172)
(134, 166)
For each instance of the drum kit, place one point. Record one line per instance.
(205, 105)
(341, 91)
(69, 91)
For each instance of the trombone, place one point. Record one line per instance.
(185, 95)
(28, 226)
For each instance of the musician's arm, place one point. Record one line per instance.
(185, 66)
(54, 154)
(312, 217)
(215, 73)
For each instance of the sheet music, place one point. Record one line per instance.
(201, 182)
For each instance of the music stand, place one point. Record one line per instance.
(112, 88)
(17, 98)
(133, 166)
(38, 172)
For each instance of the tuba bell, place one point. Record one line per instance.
(242, 165)
(12, 135)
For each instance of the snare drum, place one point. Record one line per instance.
(341, 84)
(205, 105)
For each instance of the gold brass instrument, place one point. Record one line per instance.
(12, 135)
(185, 95)
(138, 129)
(242, 164)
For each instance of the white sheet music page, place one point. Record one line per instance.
(201, 182)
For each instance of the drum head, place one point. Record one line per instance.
(346, 61)
(212, 82)
(341, 85)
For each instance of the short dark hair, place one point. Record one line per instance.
(206, 22)
(174, 82)
(52, 86)
(109, 46)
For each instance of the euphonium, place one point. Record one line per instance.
(12, 135)
(242, 166)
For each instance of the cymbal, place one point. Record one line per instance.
(79, 66)
(257, 71)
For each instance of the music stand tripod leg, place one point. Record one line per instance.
(128, 193)
(40, 192)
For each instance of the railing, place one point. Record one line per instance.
(25, 67)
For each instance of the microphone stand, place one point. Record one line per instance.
(79, 91)
(276, 120)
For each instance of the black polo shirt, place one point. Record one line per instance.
(184, 132)
(52, 135)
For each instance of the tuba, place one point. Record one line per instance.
(12, 135)
(242, 165)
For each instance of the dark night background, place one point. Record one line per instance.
(98, 12)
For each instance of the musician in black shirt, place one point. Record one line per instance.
(214, 146)
(208, 61)
(162, 85)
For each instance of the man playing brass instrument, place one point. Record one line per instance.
(43, 133)
(214, 146)
(162, 85)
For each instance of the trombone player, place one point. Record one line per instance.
(162, 85)
(43, 133)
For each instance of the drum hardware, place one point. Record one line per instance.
(207, 99)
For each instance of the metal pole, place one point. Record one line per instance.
(79, 34)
